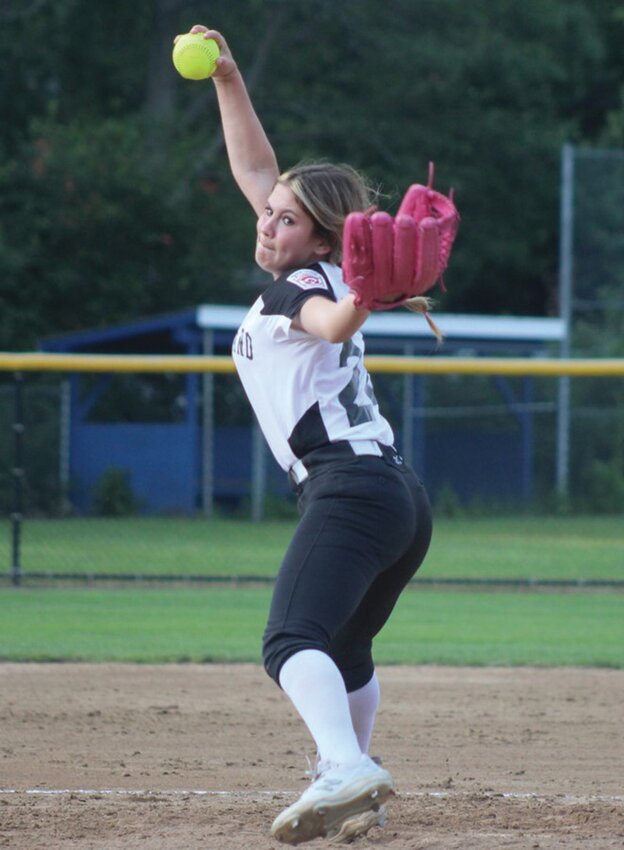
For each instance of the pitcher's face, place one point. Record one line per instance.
(286, 238)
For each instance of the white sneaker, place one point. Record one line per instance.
(358, 825)
(339, 794)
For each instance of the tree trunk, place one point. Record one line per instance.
(161, 81)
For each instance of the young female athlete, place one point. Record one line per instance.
(365, 518)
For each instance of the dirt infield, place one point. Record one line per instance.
(195, 757)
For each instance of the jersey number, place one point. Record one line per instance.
(357, 414)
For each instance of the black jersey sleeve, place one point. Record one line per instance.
(286, 295)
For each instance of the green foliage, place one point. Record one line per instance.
(89, 235)
(447, 503)
(40, 490)
(113, 496)
(115, 194)
(597, 445)
(604, 487)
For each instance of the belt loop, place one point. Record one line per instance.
(366, 447)
(297, 472)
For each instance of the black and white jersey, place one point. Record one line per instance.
(306, 392)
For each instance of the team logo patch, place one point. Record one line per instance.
(308, 279)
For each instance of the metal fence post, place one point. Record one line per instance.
(566, 273)
(17, 473)
(258, 474)
(208, 431)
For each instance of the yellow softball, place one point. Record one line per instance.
(195, 57)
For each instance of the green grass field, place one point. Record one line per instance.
(225, 624)
(179, 622)
(522, 547)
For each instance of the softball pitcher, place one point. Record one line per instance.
(365, 520)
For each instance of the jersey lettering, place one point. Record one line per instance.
(243, 345)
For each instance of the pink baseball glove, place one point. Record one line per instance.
(387, 261)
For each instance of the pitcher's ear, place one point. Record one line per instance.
(325, 244)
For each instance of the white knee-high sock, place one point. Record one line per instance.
(363, 704)
(316, 688)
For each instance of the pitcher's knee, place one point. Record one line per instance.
(279, 647)
(356, 669)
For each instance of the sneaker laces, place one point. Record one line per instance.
(318, 767)
(312, 770)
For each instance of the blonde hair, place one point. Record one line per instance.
(328, 193)
(421, 304)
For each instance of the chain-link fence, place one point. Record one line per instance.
(483, 443)
(597, 262)
(591, 424)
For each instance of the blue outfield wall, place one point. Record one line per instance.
(163, 459)
(160, 460)
(477, 465)
(164, 472)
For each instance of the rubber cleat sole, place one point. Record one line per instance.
(359, 825)
(304, 820)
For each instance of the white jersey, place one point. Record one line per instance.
(306, 392)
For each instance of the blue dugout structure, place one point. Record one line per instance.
(180, 457)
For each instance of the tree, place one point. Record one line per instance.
(115, 194)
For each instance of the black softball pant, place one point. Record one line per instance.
(365, 529)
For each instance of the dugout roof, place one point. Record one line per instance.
(210, 328)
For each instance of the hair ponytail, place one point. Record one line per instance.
(421, 304)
